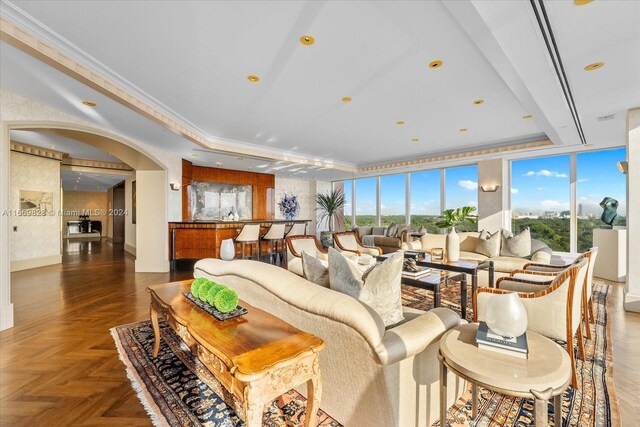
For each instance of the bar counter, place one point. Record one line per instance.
(192, 240)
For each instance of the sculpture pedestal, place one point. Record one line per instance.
(611, 263)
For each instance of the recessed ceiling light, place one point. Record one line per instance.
(527, 117)
(218, 163)
(307, 40)
(478, 101)
(400, 122)
(415, 139)
(347, 99)
(435, 64)
(594, 66)
(581, 2)
(89, 103)
(253, 79)
(464, 130)
(194, 155)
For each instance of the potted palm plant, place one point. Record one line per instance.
(331, 208)
(451, 218)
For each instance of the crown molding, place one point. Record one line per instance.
(97, 164)
(34, 38)
(21, 147)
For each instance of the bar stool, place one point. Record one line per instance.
(297, 229)
(273, 236)
(250, 233)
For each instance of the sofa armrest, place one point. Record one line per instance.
(541, 257)
(371, 250)
(412, 337)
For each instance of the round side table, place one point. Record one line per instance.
(545, 374)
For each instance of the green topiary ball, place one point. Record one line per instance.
(213, 291)
(226, 300)
(204, 289)
(196, 284)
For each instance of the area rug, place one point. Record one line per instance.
(593, 404)
(177, 390)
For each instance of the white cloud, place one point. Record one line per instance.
(467, 184)
(541, 189)
(471, 203)
(514, 191)
(547, 173)
(551, 204)
(584, 180)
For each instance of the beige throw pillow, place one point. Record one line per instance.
(392, 230)
(314, 270)
(488, 244)
(379, 287)
(516, 246)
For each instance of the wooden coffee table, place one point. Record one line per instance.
(545, 374)
(257, 357)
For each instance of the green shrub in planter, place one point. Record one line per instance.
(213, 291)
(196, 284)
(226, 300)
(204, 290)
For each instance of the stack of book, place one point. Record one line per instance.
(487, 340)
(420, 271)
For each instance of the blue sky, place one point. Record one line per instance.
(538, 185)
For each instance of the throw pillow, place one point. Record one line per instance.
(392, 230)
(488, 244)
(314, 270)
(517, 246)
(379, 287)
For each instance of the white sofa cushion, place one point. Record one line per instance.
(315, 270)
(379, 287)
(516, 246)
(489, 244)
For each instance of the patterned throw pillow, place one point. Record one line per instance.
(378, 287)
(518, 246)
(489, 244)
(392, 230)
(315, 270)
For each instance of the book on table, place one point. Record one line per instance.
(422, 271)
(488, 340)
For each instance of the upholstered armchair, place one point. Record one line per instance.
(546, 272)
(553, 310)
(303, 243)
(348, 241)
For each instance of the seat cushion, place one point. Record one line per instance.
(393, 242)
(379, 286)
(472, 256)
(379, 231)
(315, 270)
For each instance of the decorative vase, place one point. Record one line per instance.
(506, 315)
(227, 250)
(326, 238)
(453, 245)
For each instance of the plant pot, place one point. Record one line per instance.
(453, 245)
(227, 250)
(326, 238)
(506, 315)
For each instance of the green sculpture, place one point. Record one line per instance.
(609, 212)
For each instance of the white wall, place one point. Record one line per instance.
(632, 288)
(152, 249)
(130, 238)
(36, 242)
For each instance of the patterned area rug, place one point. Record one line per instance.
(177, 390)
(594, 404)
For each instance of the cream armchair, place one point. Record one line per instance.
(553, 310)
(303, 243)
(348, 241)
(546, 272)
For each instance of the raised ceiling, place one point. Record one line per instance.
(191, 60)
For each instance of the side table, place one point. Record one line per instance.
(545, 374)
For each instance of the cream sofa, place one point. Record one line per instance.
(371, 376)
(377, 236)
(503, 265)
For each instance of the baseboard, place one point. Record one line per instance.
(152, 266)
(129, 248)
(26, 264)
(632, 302)
(6, 317)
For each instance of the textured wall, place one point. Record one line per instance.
(84, 201)
(37, 236)
(298, 187)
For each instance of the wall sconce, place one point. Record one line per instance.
(489, 188)
(623, 167)
(174, 186)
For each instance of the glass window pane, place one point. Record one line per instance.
(598, 177)
(462, 190)
(540, 199)
(345, 187)
(425, 200)
(366, 201)
(392, 199)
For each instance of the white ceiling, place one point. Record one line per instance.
(191, 59)
(89, 181)
(75, 149)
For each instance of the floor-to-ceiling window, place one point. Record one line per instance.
(598, 177)
(540, 199)
(461, 189)
(425, 200)
(392, 199)
(347, 190)
(366, 201)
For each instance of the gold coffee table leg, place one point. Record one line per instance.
(156, 329)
